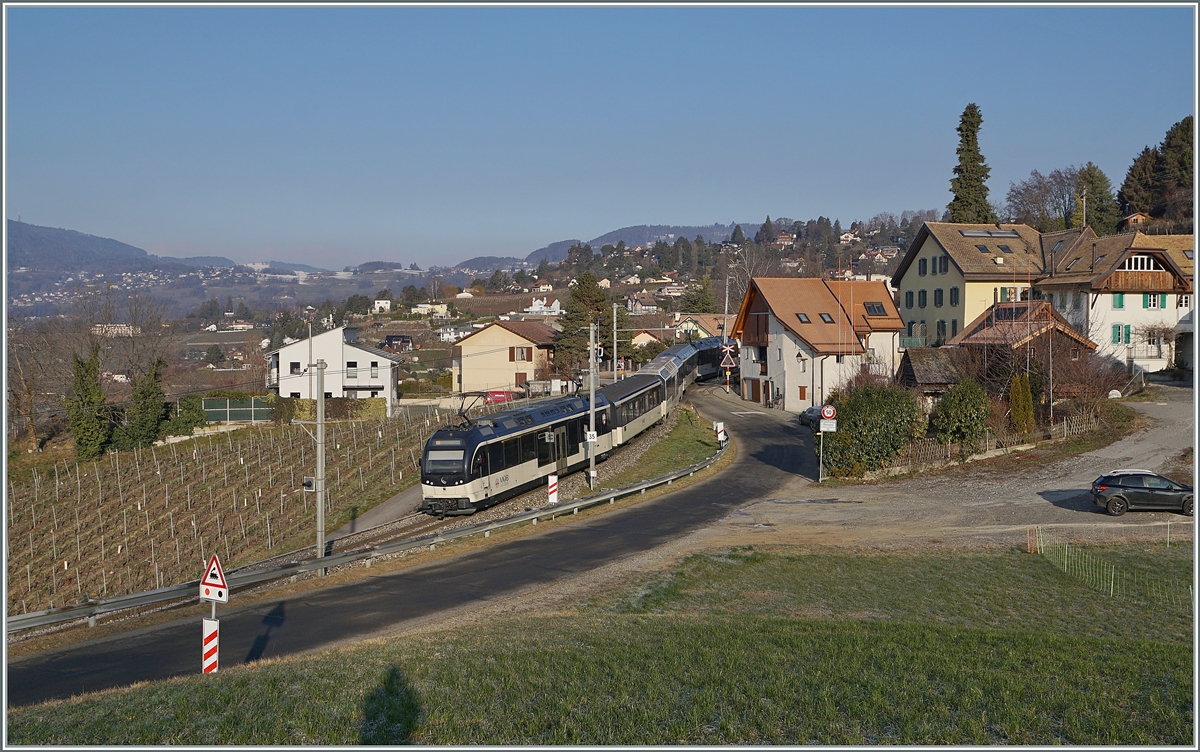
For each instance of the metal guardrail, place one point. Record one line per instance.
(190, 590)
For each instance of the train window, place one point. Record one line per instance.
(529, 448)
(495, 457)
(444, 461)
(602, 422)
(512, 452)
(545, 449)
(479, 467)
(573, 436)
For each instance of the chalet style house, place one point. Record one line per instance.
(1130, 293)
(801, 338)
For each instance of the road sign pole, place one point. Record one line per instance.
(209, 647)
(320, 479)
(821, 460)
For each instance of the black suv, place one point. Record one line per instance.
(1122, 490)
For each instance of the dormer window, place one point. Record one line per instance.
(803, 318)
(874, 309)
(826, 318)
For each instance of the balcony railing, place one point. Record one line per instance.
(907, 342)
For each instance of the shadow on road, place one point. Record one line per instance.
(272, 620)
(1074, 499)
(390, 712)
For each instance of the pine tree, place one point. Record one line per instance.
(969, 184)
(738, 236)
(587, 304)
(1173, 173)
(698, 299)
(766, 234)
(1095, 193)
(1020, 405)
(147, 411)
(1137, 192)
(85, 407)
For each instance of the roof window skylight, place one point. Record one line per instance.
(874, 309)
(803, 318)
(826, 318)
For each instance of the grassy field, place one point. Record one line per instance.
(744, 646)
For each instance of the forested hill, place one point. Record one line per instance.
(54, 249)
(644, 235)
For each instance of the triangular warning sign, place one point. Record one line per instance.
(213, 576)
(728, 362)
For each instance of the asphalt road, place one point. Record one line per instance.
(772, 453)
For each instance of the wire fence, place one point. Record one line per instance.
(924, 452)
(1108, 578)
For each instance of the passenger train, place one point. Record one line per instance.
(468, 468)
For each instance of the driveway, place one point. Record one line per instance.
(966, 506)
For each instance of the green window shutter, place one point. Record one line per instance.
(1127, 330)
(1145, 300)
(1118, 300)
(1162, 300)
(1116, 339)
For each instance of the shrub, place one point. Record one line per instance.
(875, 422)
(1020, 405)
(962, 414)
(189, 415)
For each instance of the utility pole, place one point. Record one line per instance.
(591, 443)
(319, 481)
(614, 352)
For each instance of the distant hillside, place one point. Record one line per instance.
(287, 267)
(491, 262)
(648, 234)
(197, 261)
(55, 249)
(553, 253)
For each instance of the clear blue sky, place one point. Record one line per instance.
(333, 136)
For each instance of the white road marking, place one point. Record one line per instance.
(751, 412)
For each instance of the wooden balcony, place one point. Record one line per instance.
(1141, 282)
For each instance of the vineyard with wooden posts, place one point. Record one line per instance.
(140, 520)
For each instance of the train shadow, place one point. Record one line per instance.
(390, 712)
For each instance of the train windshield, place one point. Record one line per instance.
(438, 461)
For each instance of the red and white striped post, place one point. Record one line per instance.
(211, 643)
(553, 486)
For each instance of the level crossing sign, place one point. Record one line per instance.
(213, 586)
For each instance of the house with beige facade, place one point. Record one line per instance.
(504, 355)
(1130, 293)
(801, 338)
(954, 272)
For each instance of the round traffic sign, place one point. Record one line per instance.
(828, 413)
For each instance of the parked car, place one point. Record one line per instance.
(811, 416)
(1121, 490)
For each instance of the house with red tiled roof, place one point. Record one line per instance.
(504, 355)
(801, 338)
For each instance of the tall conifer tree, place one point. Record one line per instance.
(970, 203)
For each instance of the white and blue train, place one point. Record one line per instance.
(468, 468)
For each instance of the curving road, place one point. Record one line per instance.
(766, 496)
(772, 453)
